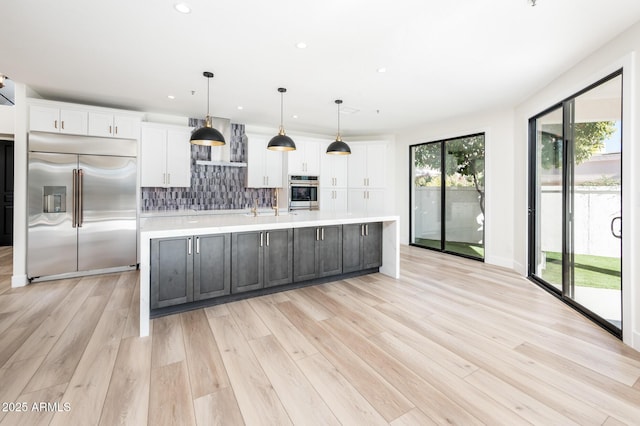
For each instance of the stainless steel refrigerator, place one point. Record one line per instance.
(82, 205)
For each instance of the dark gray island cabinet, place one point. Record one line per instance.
(317, 252)
(261, 259)
(361, 246)
(187, 269)
(193, 261)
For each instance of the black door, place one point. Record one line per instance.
(6, 186)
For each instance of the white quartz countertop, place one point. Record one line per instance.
(200, 224)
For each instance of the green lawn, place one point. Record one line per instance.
(590, 271)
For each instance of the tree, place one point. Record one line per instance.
(465, 157)
(589, 139)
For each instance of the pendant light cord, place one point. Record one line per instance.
(208, 91)
(338, 119)
(281, 110)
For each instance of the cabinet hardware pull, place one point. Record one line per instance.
(197, 245)
(322, 234)
(362, 230)
(116, 130)
(55, 124)
(366, 230)
(317, 234)
(267, 239)
(189, 246)
(62, 124)
(261, 237)
(110, 130)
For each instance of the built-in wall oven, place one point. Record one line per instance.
(303, 192)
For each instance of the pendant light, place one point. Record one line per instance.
(281, 142)
(207, 135)
(338, 147)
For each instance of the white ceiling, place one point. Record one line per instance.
(443, 58)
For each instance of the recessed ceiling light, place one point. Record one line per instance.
(171, 97)
(182, 7)
(294, 116)
(382, 69)
(301, 45)
(240, 107)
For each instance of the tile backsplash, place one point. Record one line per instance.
(212, 187)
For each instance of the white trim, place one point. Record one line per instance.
(19, 281)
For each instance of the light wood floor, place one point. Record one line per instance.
(452, 341)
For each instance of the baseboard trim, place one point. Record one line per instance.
(19, 281)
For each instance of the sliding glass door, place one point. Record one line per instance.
(576, 201)
(447, 195)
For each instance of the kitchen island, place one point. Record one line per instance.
(193, 225)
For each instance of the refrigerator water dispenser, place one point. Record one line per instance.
(55, 199)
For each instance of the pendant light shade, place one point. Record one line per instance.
(338, 147)
(207, 135)
(281, 142)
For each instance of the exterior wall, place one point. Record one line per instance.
(499, 171)
(506, 165)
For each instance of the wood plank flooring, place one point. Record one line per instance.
(452, 342)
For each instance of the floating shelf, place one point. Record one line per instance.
(220, 163)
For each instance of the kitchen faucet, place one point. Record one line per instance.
(254, 209)
(276, 207)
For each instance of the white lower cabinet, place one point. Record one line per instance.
(334, 200)
(368, 201)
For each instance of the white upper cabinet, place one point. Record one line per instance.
(165, 156)
(75, 119)
(305, 160)
(58, 120)
(264, 167)
(333, 170)
(367, 165)
(110, 125)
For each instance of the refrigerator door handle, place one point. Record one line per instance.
(74, 206)
(80, 206)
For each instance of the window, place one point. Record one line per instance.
(448, 195)
(575, 201)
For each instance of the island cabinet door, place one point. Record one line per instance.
(171, 271)
(278, 257)
(247, 261)
(352, 242)
(305, 253)
(212, 266)
(372, 245)
(330, 251)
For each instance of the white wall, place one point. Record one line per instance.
(618, 53)
(499, 171)
(7, 121)
(507, 165)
